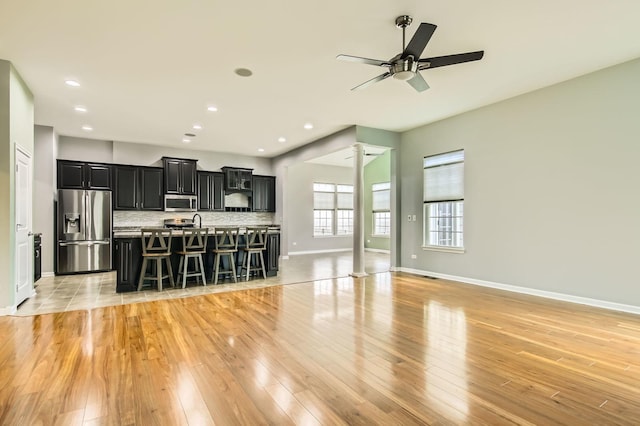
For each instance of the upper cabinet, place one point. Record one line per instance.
(237, 179)
(81, 175)
(210, 191)
(179, 176)
(264, 193)
(138, 188)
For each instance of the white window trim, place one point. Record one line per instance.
(445, 249)
(335, 212)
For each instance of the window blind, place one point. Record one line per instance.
(381, 196)
(323, 201)
(444, 177)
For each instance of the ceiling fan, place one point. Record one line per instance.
(407, 64)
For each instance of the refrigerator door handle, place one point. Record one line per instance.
(75, 243)
(83, 243)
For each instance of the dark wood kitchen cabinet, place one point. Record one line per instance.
(128, 260)
(264, 193)
(272, 254)
(179, 176)
(237, 179)
(81, 175)
(210, 191)
(138, 188)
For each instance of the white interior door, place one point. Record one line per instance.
(24, 243)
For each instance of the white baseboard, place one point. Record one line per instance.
(7, 310)
(47, 274)
(378, 250)
(295, 253)
(632, 309)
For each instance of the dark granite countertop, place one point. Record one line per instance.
(134, 231)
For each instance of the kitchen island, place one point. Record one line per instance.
(127, 256)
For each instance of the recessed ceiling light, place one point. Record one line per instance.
(197, 126)
(260, 149)
(212, 108)
(190, 135)
(308, 126)
(282, 139)
(243, 72)
(87, 128)
(185, 140)
(80, 108)
(72, 83)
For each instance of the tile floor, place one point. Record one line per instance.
(87, 291)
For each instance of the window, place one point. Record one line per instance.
(444, 200)
(381, 194)
(332, 209)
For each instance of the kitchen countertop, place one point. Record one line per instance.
(134, 231)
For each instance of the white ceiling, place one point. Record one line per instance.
(149, 69)
(344, 157)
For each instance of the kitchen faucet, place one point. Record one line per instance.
(199, 217)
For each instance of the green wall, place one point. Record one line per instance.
(16, 127)
(377, 171)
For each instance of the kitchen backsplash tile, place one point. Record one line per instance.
(123, 218)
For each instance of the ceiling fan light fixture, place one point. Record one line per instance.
(404, 75)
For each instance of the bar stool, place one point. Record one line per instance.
(255, 244)
(156, 247)
(194, 245)
(226, 245)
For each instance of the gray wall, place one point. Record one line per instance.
(83, 149)
(44, 188)
(72, 148)
(551, 189)
(301, 177)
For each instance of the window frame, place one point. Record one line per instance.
(452, 180)
(383, 187)
(336, 210)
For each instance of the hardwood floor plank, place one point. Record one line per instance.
(390, 348)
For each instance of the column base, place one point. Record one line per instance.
(359, 274)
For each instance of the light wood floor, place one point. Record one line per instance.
(387, 349)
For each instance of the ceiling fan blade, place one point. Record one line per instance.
(419, 40)
(418, 83)
(361, 60)
(441, 61)
(373, 80)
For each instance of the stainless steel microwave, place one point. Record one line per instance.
(180, 203)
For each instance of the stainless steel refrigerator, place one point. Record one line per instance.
(83, 231)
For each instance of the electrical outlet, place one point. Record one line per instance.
(413, 256)
(414, 217)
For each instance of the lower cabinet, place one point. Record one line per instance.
(272, 254)
(128, 260)
(127, 255)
